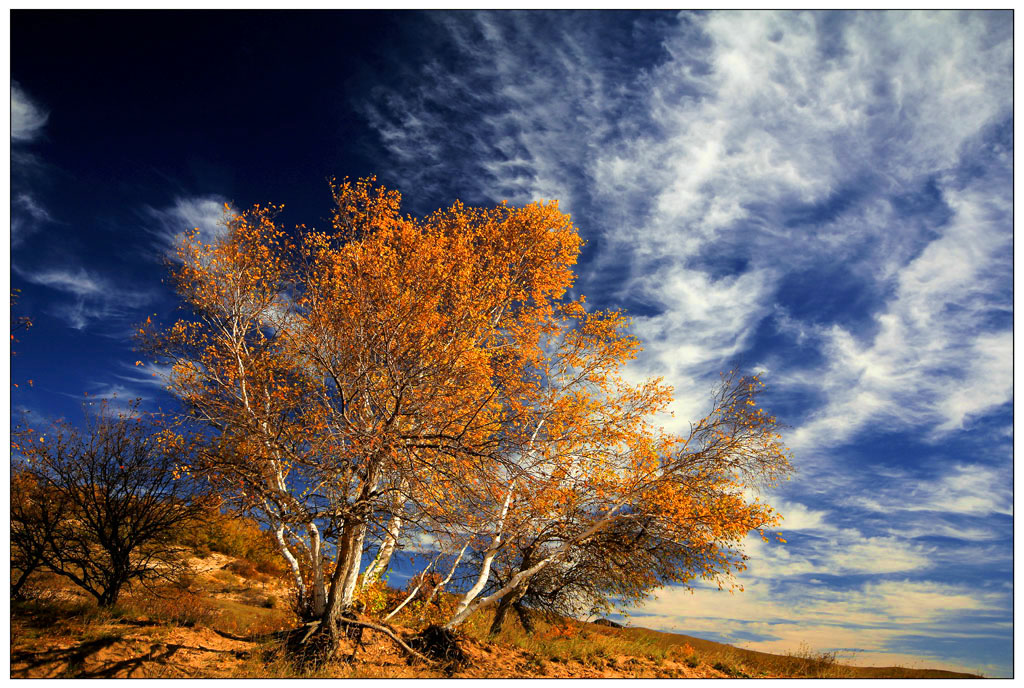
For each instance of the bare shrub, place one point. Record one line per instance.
(177, 606)
(111, 497)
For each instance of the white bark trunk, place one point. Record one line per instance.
(383, 558)
(290, 558)
(523, 576)
(489, 553)
(450, 574)
(404, 602)
(352, 564)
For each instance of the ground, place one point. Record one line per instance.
(222, 629)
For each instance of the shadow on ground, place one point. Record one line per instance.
(71, 662)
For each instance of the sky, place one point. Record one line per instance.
(822, 198)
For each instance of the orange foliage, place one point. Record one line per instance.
(435, 370)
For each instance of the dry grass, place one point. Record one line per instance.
(229, 601)
(239, 618)
(175, 606)
(567, 641)
(800, 663)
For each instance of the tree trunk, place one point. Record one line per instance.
(383, 558)
(507, 602)
(352, 563)
(108, 598)
(522, 578)
(387, 547)
(500, 613)
(293, 564)
(20, 583)
(489, 554)
(318, 597)
(525, 617)
(341, 593)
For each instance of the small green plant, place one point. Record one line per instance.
(377, 598)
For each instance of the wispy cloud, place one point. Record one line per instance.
(142, 374)
(169, 225)
(92, 297)
(835, 551)
(868, 624)
(27, 116)
(77, 282)
(749, 147)
(934, 361)
(824, 196)
(965, 489)
(27, 121)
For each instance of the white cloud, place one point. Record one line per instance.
(932, 363)
(148, 374)
(965, 489)
(777, 126)
(875, 555)
(27, 117)
(171, 224)
(797, 516)
(93, 298)
(871, 618)
(761, 146)
(751, 113)
(27, 121)
(834, 552)
(27, 203)
(77, 282)
(123, 394)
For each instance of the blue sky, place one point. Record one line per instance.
(825, 198)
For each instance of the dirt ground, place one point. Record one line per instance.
(225, 634)
(125, 648)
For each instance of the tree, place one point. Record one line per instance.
(349, 375)
(36, 517)
(103, 502)
(682, 519)
(398, 378)
(616, 568)
(608, 471)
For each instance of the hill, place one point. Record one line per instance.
(222, 626)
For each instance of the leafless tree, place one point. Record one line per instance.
(104, 501)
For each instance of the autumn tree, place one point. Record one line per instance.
(616, 568)
(613, 539)
(103, 502)
(594, 464)
(394, 378)
(349, 374)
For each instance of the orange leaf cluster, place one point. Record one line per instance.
(435, 372)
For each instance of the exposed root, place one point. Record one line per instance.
(313, 643)
(442, 645)
(391, 634)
